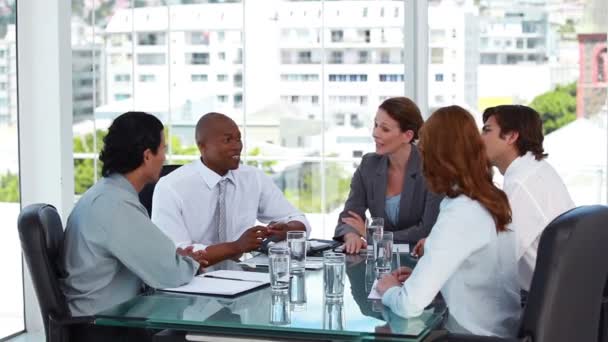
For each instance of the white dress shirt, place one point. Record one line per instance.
(185, 200)
(537, 195)
(472, 266)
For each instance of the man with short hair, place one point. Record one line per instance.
(213, 203)
(513, 137)
(111, 247)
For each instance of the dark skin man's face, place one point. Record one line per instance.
(221, 147)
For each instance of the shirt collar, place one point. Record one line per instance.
(519, 164)
(210, 177)
(122, 182)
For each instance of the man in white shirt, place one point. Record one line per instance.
(213, 202)
(513, 137)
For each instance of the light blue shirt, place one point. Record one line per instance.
(473, 267)
(391, 208)
(111, 248)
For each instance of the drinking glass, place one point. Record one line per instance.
(372, 225)
(333, 275)
(278, 264)
(383, 252)
(280, 313)
(333, 315)
(297, 244)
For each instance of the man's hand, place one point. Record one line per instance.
(199, 256)
(278, 229)
(386, 282)
(355, 221)
(419, 248)
(353, 243)
(251, 239)
(402, 273)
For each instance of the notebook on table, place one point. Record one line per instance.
(223, 283)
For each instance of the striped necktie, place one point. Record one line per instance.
(220, 211)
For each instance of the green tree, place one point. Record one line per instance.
(557, 107)
(9, 187)
(307, 196)
(84, 169)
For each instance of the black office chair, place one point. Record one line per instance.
(567, 291)
(41, 235)
(145, 195)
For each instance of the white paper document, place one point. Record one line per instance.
(223, 283)
(373, 294)
(401, 248)
(312, 263)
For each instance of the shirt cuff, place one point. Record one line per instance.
(390, 296)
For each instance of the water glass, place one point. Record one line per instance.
(297, 291)
(372, 225)
(333, 275)
(278, 264)
(297, 244)
(383, 252)
(370, 274)
(333, 315)
(280, 313)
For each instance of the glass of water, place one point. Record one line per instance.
(333, 275)
(280, 313)
(278, 264)
(297, 244)
(383, 252)
(297, 291)
(333, 315)
(372, 225)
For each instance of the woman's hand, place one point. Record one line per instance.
(419, 248)
(402, 273)
(355, 221)
(386, 282)
(353, 243)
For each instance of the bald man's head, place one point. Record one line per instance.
(219, 141)
(206, 123)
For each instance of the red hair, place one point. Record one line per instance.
(454, 162)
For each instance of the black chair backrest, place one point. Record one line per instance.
(145, 195)
(568, 283)
(41, 235)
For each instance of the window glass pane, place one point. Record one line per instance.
(365, 66)
(11, 288)
(549, 55)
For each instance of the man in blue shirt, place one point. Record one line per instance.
(111, 247)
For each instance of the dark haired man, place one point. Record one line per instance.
(513, 136)
(111, 247)
(213, 203)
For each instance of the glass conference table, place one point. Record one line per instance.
(301, 312)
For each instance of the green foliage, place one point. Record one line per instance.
(265, 165)
(307, 197)
(557, 107)
(9, 187)
(84, 168)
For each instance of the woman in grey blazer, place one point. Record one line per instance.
(389, 183)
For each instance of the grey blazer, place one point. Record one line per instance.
(418, 207)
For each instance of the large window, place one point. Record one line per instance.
(307, 127)
(542, 54)
(303, 79)
(11, 287)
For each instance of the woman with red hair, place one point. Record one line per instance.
(469, 254)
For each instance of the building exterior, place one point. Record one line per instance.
(191, 56)
(513, 32)
(8, 76)
(592, 88)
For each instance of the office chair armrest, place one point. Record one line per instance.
(71, 320)
(472, 338)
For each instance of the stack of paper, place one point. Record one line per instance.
(312, 263)
(223, 283)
